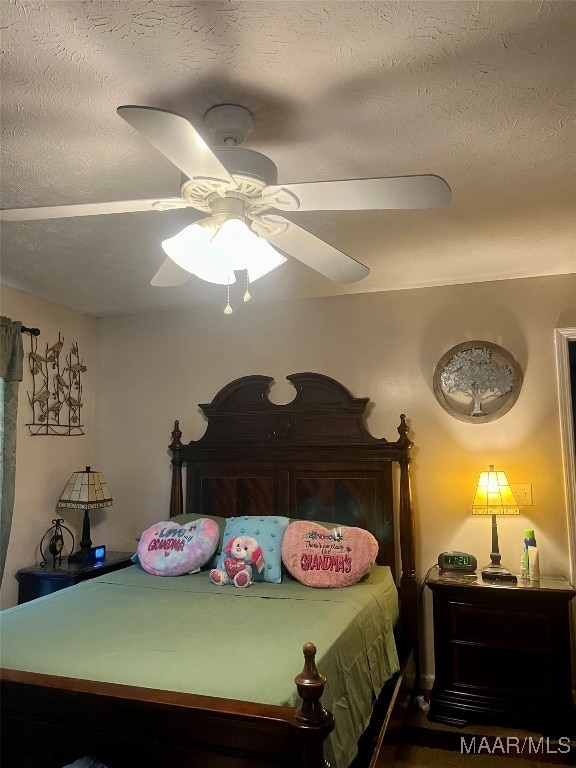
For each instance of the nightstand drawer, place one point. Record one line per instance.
(501, 672)
(501, 628)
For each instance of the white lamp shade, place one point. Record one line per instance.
(214, 253)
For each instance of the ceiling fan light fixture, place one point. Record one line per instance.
(214, 252)
(244, 249)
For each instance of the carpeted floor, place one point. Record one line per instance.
(423, 744)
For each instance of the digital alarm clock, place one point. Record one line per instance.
(98, 553)
(457, 561)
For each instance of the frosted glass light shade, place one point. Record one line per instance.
(213, 253)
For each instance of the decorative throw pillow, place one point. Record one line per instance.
(186, 517)
(268, 531)
(170, 549)
(321, 557)
(326, 524)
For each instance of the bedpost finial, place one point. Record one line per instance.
(403, 430)
(309, 651)
(310, 674)
(310, 684)
(176, 435)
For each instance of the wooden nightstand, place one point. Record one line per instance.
(502, 653)
(37, 581)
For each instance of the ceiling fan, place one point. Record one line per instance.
(233, 184)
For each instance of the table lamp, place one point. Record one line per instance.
(494, 497)
(86, 490)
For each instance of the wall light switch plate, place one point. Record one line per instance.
(522, 493)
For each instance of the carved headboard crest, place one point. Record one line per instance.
(242, 412)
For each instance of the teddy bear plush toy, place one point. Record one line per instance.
(242, 552)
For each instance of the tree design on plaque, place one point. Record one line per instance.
(56, 397)
(477, 381)
(475, 373)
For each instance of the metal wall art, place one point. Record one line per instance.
(56, 397)
(477, 381)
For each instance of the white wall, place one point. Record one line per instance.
(156, 368)
(44, 463)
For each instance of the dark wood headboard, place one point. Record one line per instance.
(312, 458)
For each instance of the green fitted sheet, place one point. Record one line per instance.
(186, 634)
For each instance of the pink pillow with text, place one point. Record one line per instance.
(170, 549)
(322, 557)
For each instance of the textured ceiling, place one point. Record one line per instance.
(480, 93)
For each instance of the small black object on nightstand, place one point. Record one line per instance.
(459, 562)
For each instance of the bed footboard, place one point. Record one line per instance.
(50, 721)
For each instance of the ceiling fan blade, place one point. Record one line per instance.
(316, 253)
(85, 209)
(169, 275)
(175, 137)
(427, 191)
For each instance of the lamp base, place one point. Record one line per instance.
(494, 572)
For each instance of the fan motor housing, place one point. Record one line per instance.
(252, 173)
(239, 161)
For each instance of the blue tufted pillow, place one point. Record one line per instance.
(268, 530)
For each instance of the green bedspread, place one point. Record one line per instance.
(185, 634)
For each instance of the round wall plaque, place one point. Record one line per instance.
(477, 381)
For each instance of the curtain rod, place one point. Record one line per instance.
(31, 331)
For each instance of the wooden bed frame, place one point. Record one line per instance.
(310, 459)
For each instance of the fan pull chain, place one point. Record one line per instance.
(228, 309)
(247, 296)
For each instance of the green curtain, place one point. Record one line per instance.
(11, 366)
